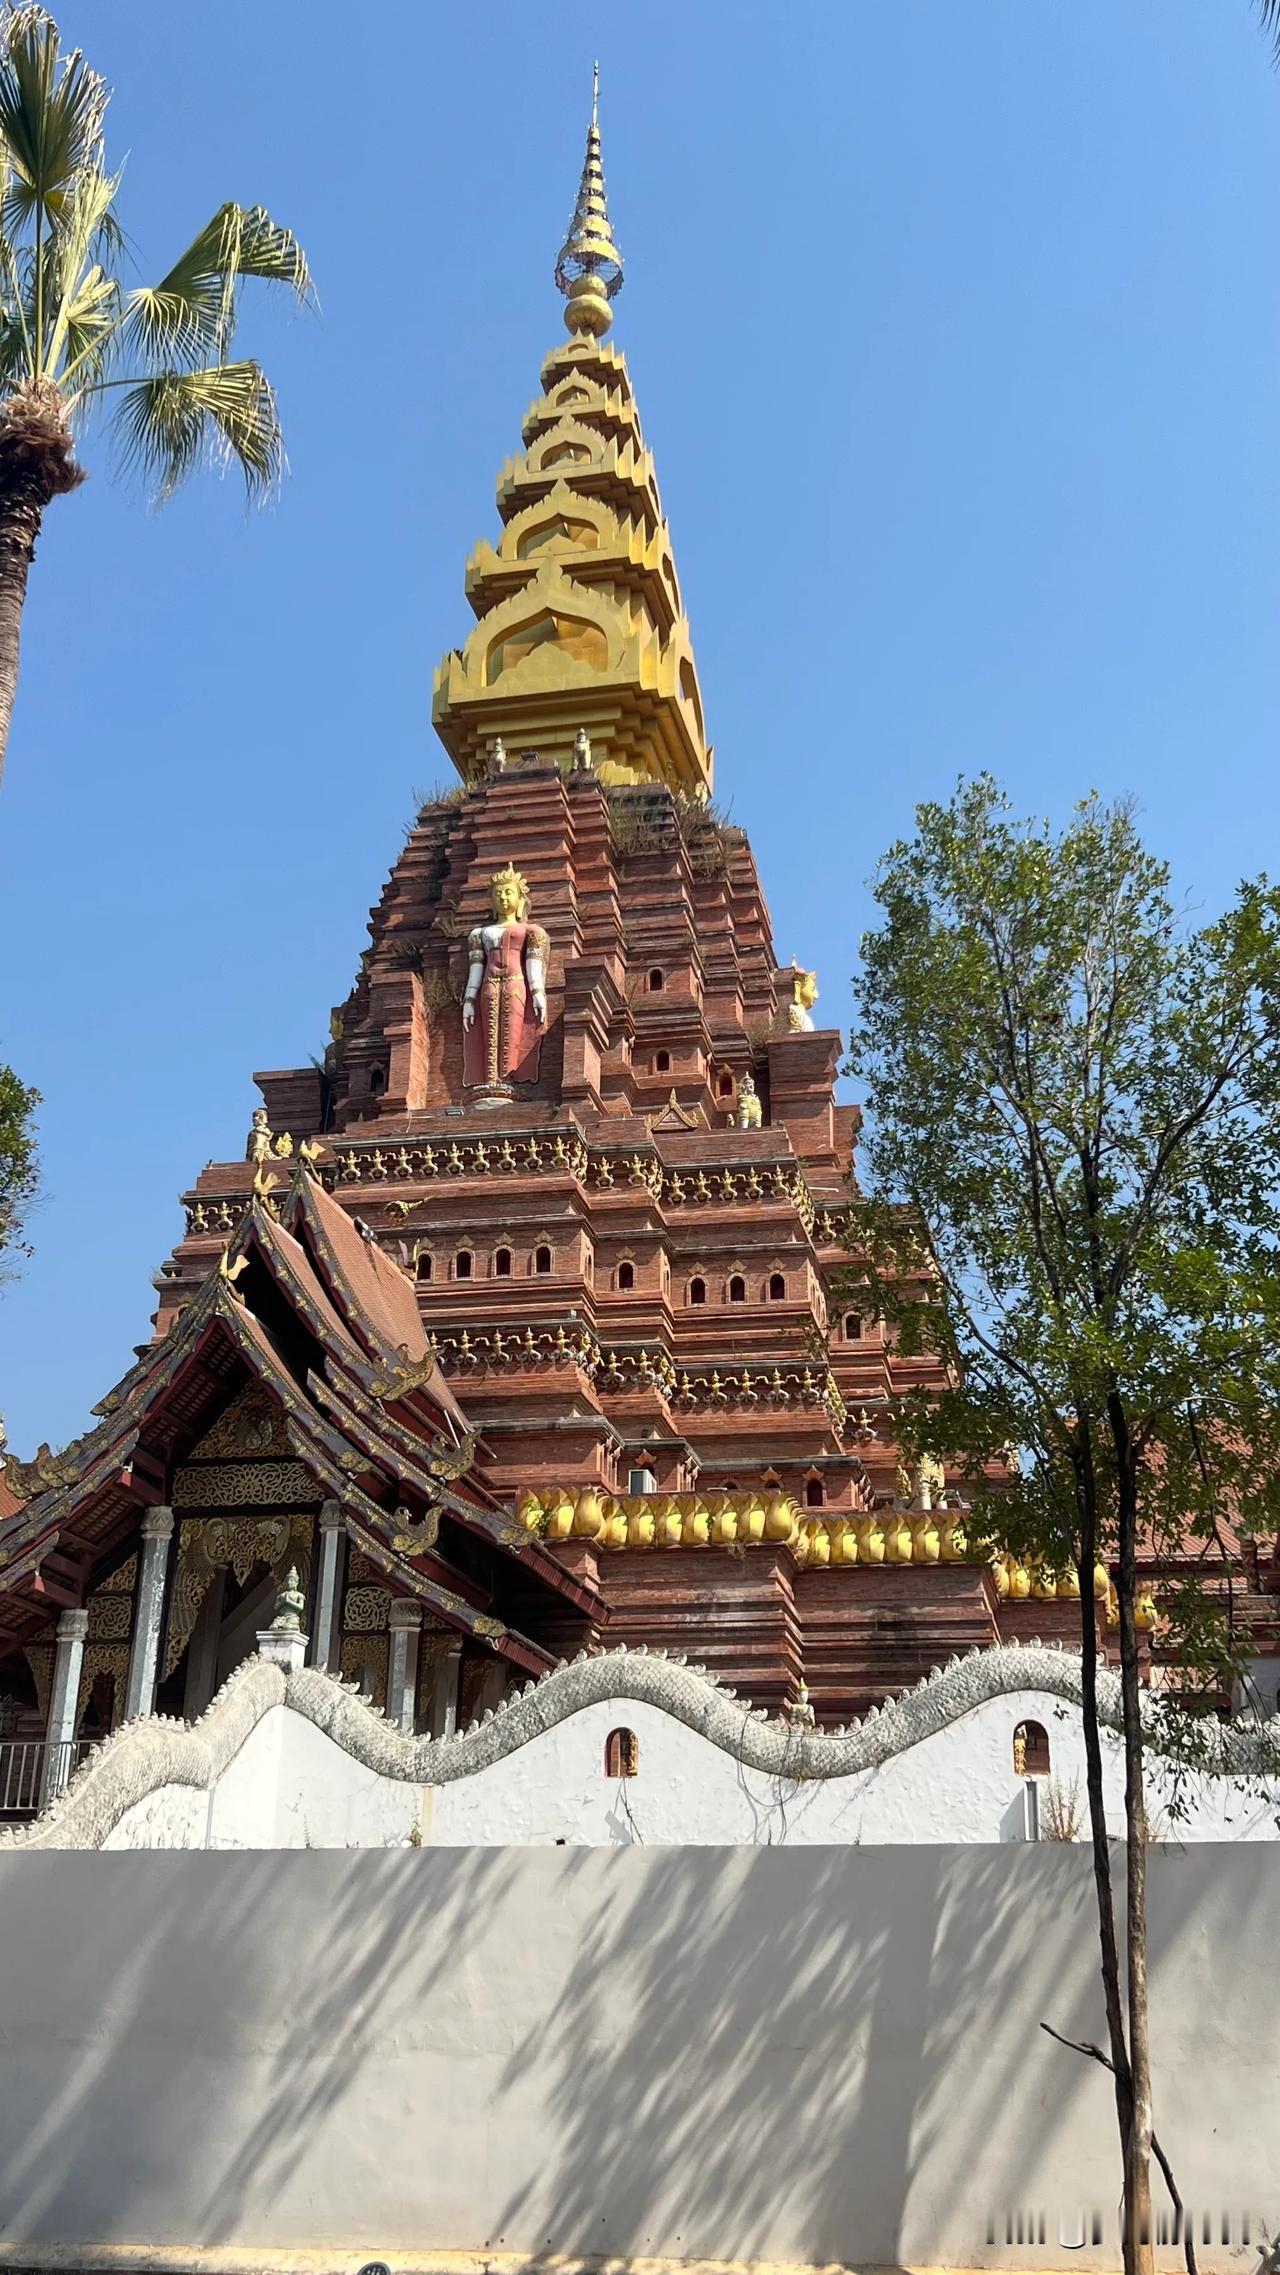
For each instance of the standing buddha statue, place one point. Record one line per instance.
(505, 1007)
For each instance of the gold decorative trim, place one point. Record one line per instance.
(244, 1485)
(212, 1544)
(365, 1611)
(358, 1653)
(103, 1659)
(252, 1424)
(748, 1520)
(356, 1163)
(110, 1617)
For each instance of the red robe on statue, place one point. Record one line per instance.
(504, 1040)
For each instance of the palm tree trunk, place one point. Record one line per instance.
(35, 465)
(21, 513)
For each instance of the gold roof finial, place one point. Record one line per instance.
(589, 269)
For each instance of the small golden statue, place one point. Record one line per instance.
(505, 1007)
(258, 1148)
(749, 1114)
(804, 994)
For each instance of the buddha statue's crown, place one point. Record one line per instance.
(510, 875)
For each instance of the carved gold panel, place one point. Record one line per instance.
(366, 1610)
(109, 1618)
(243, 1485)
(252, 1424)
(103, 1659)
(361, 1653)
(212, 1544)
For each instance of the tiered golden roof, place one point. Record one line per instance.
(580, 618)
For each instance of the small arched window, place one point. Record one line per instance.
(814, 1497)
(737, 1289)
(423, 1266)
(662, 1062)
(697, 1291)
(502, 1263)
(622, 1754)
(852, 1327)
(377, 1081)
(657, 981)
(542, 1259)
(626, 1277)
(1031, 1750)
(726, 1086)
(777, 1288)
(462, 1263)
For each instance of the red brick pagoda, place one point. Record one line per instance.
(516, 1329)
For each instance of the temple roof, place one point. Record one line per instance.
(581, 626)
(304, 1307)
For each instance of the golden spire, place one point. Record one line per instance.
(581, 650)
(589, 269)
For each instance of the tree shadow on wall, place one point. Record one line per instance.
(812, 2054)
(802, 2059)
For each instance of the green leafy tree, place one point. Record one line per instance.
(1074, 1104)
(18, 1166)
(75, 339)
(18, 1175)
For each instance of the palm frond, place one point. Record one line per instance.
(52, 108)
(190, 314)
(84, 303)
(90, 321)
(174, 421)
(1269, 12)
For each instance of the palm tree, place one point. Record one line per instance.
(74, 338)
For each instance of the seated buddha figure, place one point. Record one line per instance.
(504, 1009)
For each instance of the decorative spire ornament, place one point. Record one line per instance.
(589, 267)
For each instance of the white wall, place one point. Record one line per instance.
(291, 1786)
(956, 1784)
(816, 2055)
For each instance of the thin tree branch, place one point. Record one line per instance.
(1095, 2054)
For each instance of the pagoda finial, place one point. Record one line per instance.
(589, 269)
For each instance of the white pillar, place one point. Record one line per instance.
(444, 1691)
(140, 1691)
(327, 1622)
(60, 1734)
(404, 1619)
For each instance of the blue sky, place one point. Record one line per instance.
(954, 330)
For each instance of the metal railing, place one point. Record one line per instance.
(32, 1770)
